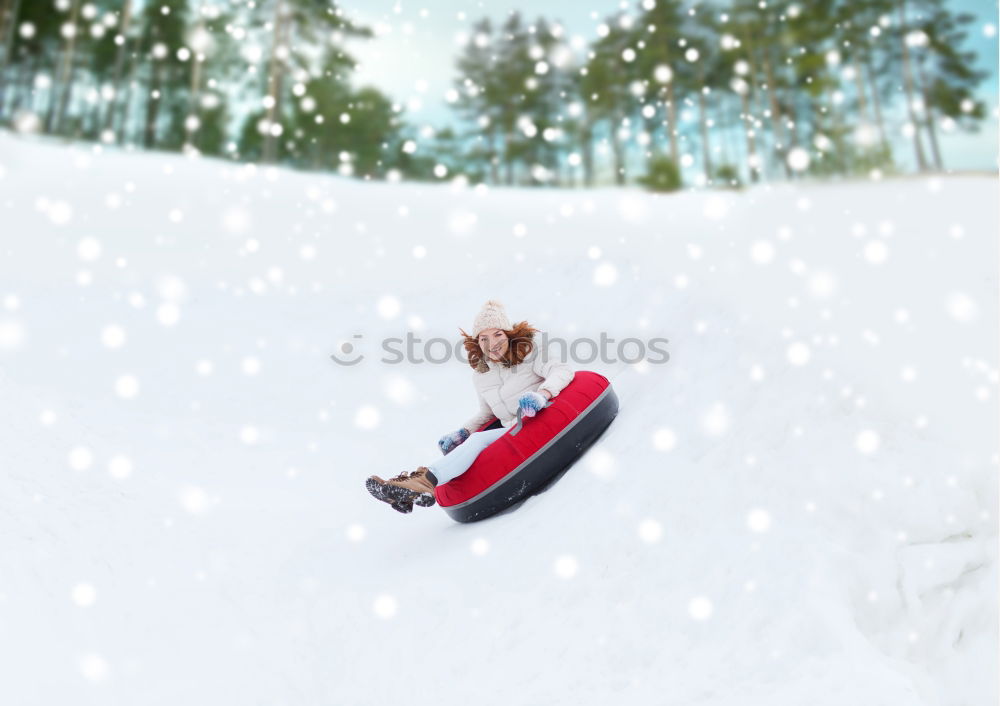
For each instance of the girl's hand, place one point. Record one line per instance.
(531, 403)
(448, 442)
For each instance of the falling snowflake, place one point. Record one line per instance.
(384, 606)
(462, 222)
(127, 386)
(84, 595)
(664, 439)
(601, 463)
(715, 207)
(94, 667)
(700, 608)
(715, 422)
(822, 285)
(236, 220)
(876, 252)
(798, 353)
(194, 499)
(762, 252)
(120, 467)
(367, 417)
(388, 307)
(113, 336)
(60, 213)
(650, 531)
(399, 389)
(605, 274)
(759, 520)
(80, 458)
(250, 365)
(88, 249)
(566, 566)
(962, 307)
(11, 334)
(867, 442)
(798, 159)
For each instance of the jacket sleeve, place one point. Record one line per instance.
(556, 373)
(480, 418)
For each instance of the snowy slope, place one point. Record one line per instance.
(799, 507)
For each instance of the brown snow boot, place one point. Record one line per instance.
(404, 490)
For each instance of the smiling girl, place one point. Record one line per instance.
(510, 373)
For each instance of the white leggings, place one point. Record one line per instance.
(458, 461)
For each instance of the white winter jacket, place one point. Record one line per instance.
(500, 388)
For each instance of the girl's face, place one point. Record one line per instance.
(493, 342)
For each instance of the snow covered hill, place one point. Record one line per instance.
(799, 507)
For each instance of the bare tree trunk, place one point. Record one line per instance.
(876, 104)
(8, 21)
(672, 121)
(120, 119)
(153, 101)
(748, 99)
(792, 119)
(931, 128)
(588, 154)
(508, 160)
(119, 64)
(862, 98)
(22, 88)
(780, 147)
(274, 76)
(90, 124)
(6, 18)
(725, 121)
(706, 148)
(908, 88)
(8, 26)
(753, 161)
(194, 110)
(840, 155)
(57, 109)
(618, 153)
(494, 158)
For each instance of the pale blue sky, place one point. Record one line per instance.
(413, 56)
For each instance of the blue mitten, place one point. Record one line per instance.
(531, 403)
(448, 442)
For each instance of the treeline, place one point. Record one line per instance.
(263, 81)
(730, 91)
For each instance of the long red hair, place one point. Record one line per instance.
(520, 339)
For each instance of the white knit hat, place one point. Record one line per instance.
(492, 315)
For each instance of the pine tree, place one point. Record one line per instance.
(607, 88)
(479, 93)
(299, 30)
(858, 47)
(162, 46)
(663, 28)
(946, 76)
(34, 32)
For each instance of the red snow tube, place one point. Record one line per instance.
(523, 461)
